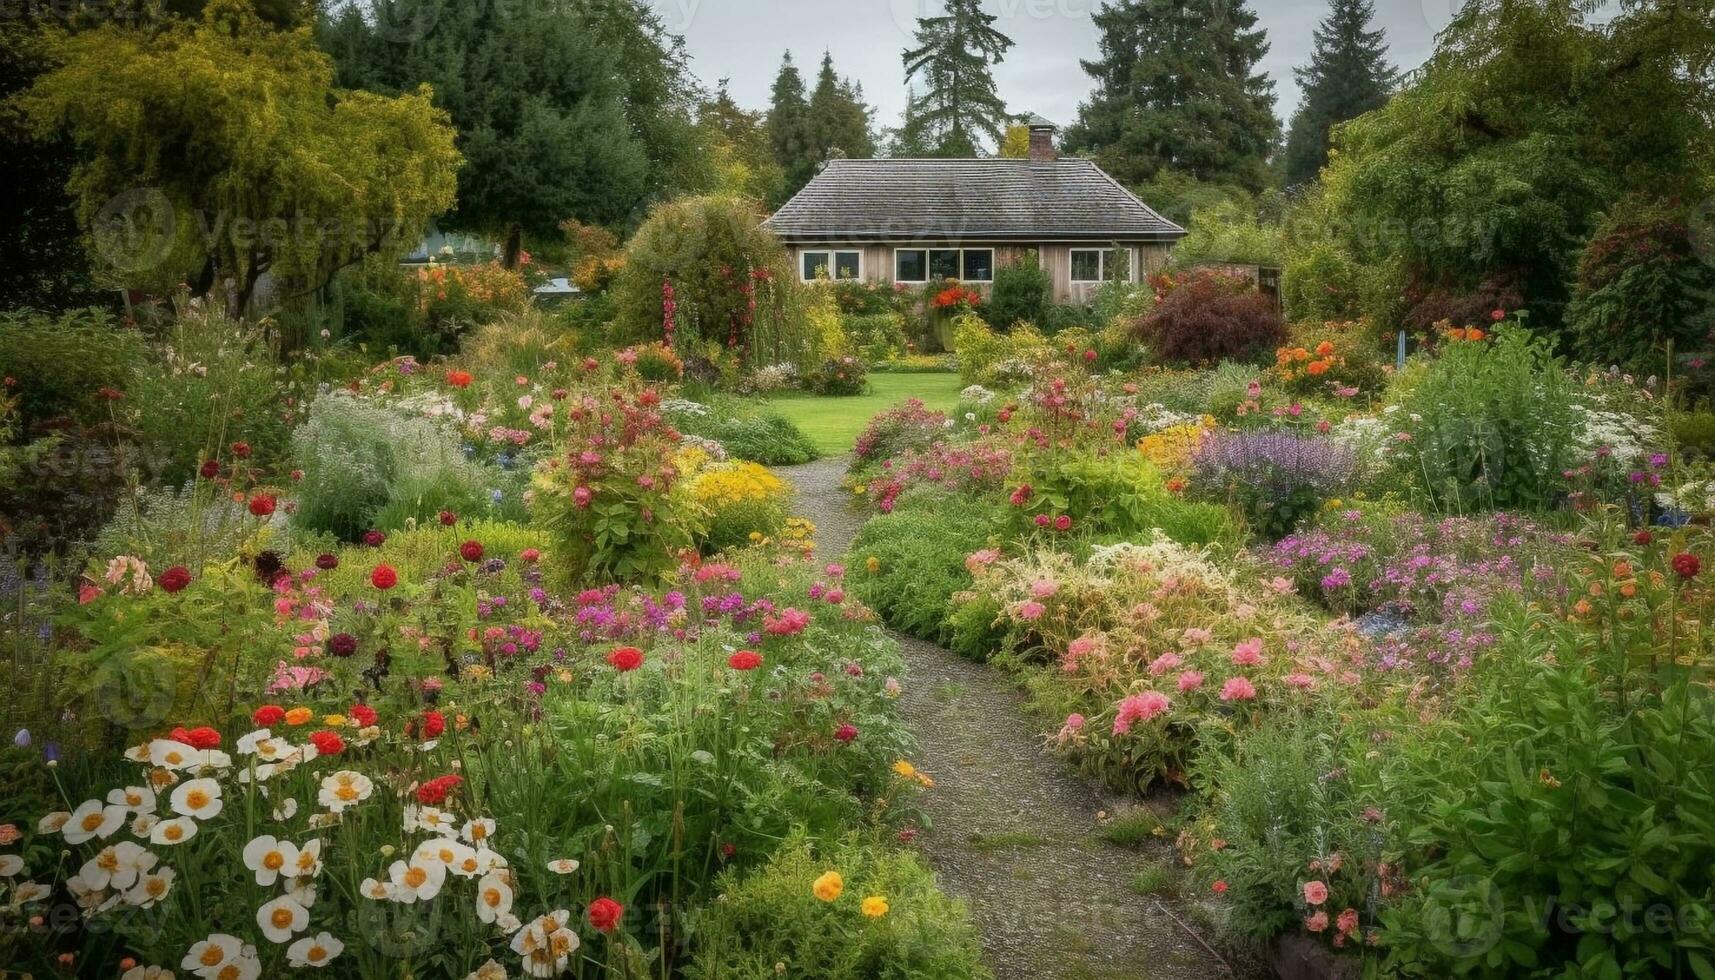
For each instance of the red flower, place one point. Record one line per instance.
(210, 469)
(1220, 887)
(363, 714)
(268, 714)
(1063, 523)
(241, 450)
(342, 644)
(1498, 315)
(434, 723)
(530, 555)
(1687, 565)
(435, 790)
(197, 738)
(327, 561)
(625, 659)
(374, 538)
(846, 732)
(327, 742)
(448, 518)
(605, 913)
(471, 551)
(384, 577)
(1642, 538)
(175, 579)
(459, 379)
(262, 504)
(744, 660)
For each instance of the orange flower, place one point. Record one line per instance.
(1622, 569)
(1324, 348)
(1475, 334)
(1317, 368)
(298, 716)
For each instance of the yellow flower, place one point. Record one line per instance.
(905, 769)
(875, 906)
(873, 564)
(829, 886)
(333, 721)
(860, 490)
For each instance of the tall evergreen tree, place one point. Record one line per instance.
(1348, 75)
(839, 119)
(789, 127)
(1178, 90)
(954, 56)
(738, 142)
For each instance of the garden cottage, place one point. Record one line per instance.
(914, 221)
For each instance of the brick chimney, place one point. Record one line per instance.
(1042, 140)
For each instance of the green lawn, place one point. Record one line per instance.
(833, 424)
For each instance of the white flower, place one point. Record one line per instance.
(563, 866)
(117, 866)
(174, 831)
(92, 819)
(30, 891)
(199, 798)
(488, 971)
(317, 950)
(287, 809)
(433, 820)
(546, 944)
(478, 830)
(207, 957)
(381, 891)
(147, 973)
(171, 754)
(302, 890)
(151, 888)
(448, 852)
(259, 742)
(318, 821)
(345, 788)
(142, 824)
(54, 822)
(493, 897)
(309, 860)
(269, 858)
(281, 918)
(138, 799)
(11, 865)
(416, 881)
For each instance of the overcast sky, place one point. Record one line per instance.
(743, 40)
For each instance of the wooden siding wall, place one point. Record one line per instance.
(1148, 257)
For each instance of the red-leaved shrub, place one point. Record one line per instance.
(1210, 317)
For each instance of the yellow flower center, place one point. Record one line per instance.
(228, 972)
(273, 860)
(174, 757)
(281, 918)
(212, 955)
(173, 832)
(468, 864)
(134, 799)
(492, 897)
(478, 832)
(346, 793)
(306, 861)
(316, 954)
(107, 860)
(415, 877)
(196, 799)
(92, 822)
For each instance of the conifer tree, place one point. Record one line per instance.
(1348, 75)
(954, 59)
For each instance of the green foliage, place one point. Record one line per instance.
(1642, 285)
(60, 364)
(744, 430)
(919, 553)
(1140, 121)
(1490, 425)
(284, 174)
(1348, 75)
(770, 922)
(744, 161)
(958, 106)
(876, 336)
(367, 466)
(1022, 293)
(1118, 496)
(838, 117)
(996, 359)
(1694, 433)
(839, 376)
(216, 382)
(731, 283)
(1228, 232)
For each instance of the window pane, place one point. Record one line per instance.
(1118, 265)
(846, 265)
(944, 263)
(815, 264)
(1086, 265)
(910, 265)
(979, 264)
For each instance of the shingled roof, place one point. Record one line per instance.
(961, 200)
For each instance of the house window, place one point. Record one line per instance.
(1101, 265)
(831, 265)
(924, 264)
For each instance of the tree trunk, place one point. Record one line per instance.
(514, 246)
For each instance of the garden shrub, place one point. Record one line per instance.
(1210, 317)
(744, 430)
(741, 499)
(771, 922)
(1319, 283)
(840, 376)
(453, 299)
(516, 345)
(61, 365)
(1642, 284)
(1275, 477)
(1228, 231)
(876, 336)
(1332, 358)
(913, 559)
(890, 433)
(1489, 424)
(366, 466)
(1022, 293)
(1694, 432)
(1118, 494)
(217, 383)
(704, 270)
(995, 359)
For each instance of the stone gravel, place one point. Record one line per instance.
(1010, 828)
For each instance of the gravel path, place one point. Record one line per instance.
(1013, 829)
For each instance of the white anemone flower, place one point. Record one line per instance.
(318, 950)
(138, 799)
(11, 865)
(207, 956)
(281, 918)
(345, 788)
(477, 831)
(93, 819)
(198, 798)
(417, 880)
(493, 897)
(151, 888)
(380, 891)
(117, 866)
(546, 944)
(270, 858)
(174, 831)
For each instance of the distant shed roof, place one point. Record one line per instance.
(960, 199)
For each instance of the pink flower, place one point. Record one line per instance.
(1043, 588)
(1074, 724)
(790, 622)
(1063, 523)
(1041, 520)
(582, 496)
(1031, 611)
(1237, 689)
(1164, 663)
(976, 561)
(1347, 922)
(1196, 636)
(1190, 681)
(1139, 707)
(1248, 653)
(1315, 892)
(1303, 682)
(1317, 922)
